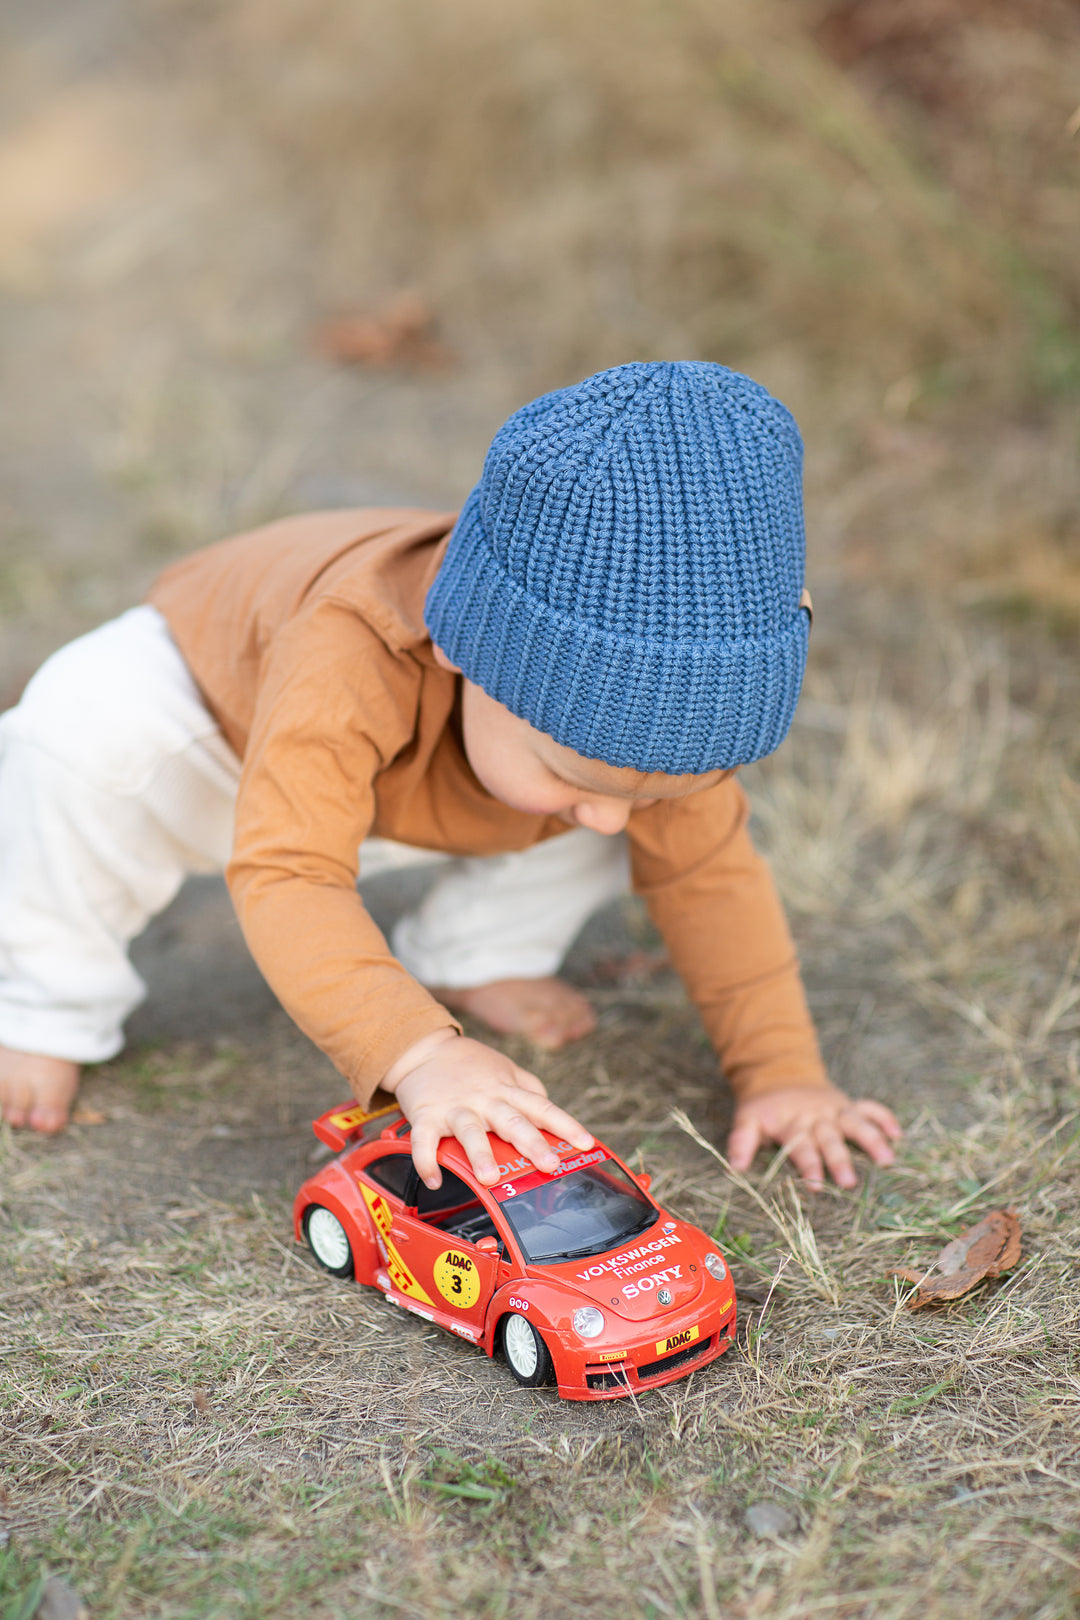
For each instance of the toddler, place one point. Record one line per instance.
(554, 691)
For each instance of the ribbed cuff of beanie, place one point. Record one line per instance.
(674, 706)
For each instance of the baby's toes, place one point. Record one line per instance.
(46, 1117)
(15, 1104)
(36, 1090)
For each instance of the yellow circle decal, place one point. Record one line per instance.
(457, 1279)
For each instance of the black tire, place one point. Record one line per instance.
(525, 1352)
(329, 1241)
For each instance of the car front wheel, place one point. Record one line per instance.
(328, 1241)
(526, 1354)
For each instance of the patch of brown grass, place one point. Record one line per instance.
(197, 1422)
(583, 185)
(194, 1421)
(925, 787)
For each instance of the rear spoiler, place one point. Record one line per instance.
(345, 1123)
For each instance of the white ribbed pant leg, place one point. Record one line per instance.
(511, 916)
(114, 783)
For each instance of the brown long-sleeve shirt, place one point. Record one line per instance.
(307, 641)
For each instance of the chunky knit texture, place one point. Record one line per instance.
(626, 575)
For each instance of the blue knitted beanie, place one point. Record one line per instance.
(626, 576)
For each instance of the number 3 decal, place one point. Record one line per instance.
(457, 1279)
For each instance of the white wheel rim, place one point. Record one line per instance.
(520, 1346)
(328, 1240)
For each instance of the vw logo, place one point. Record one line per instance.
(664, 1297)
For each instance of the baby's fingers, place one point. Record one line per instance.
(472, 1132)
(869, 1137)
(537, 1107)
(802, 1150)
(743, 1143)
(879, 1115)
(424, 1139)
(511, 1125)
(548, 1116)
(529, 1081)
(836, 1155)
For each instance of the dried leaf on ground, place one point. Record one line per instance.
(400, 334)
(985, 1250)
(83, 1114)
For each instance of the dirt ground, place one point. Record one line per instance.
(195, 1421)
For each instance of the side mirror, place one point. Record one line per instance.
(644, 1181)
(488, 1245)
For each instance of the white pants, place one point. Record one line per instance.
(115, 782)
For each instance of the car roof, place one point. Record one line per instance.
(510, 1160)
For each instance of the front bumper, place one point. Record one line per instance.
(586, 1373)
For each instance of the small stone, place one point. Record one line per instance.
(769, 1519)
(60, 1602)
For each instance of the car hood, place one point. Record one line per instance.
(628, 1279)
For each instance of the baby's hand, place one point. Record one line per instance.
(448, 1085)
(811, 1122)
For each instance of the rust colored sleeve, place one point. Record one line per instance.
(334, 706)
(712, 897)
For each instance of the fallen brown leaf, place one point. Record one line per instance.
(200, 1400)
(83, 1114)
(984, 1250)
(401, 334)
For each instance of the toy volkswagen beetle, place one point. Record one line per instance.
(579, 1277)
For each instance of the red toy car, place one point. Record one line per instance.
(578, 1276)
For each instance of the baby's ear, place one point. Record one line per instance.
(442, 660)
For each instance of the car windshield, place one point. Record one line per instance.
(585, 1212)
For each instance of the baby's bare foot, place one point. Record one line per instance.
(549, 1011)
(36, 1090)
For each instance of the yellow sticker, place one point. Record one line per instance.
(611, 1355)
(728, 1303)
(347, 1118)
(400, 1275)
(677, 1340)
(457, 1279)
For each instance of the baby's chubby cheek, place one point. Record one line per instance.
(498, 747)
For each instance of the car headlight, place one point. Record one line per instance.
(715, 1267)
(588, 1322)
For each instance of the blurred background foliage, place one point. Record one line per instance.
(872, 205)
(887, 191)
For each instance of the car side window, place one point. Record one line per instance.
(392, 1172)
(450, 1195)
(455, 1209)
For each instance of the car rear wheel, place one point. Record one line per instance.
(526, 1354)
(328, 1241)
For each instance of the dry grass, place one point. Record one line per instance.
(879, 222)
(197, 1423)
(946, 801)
